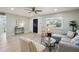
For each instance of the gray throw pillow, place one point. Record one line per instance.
(77, 44)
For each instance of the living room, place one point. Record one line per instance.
(32, 22)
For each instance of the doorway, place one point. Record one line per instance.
(35, 25)
(2, 27)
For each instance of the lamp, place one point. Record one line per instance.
(21, 24)
(74, 25)
(49, 31)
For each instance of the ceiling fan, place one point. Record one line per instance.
(33, 9)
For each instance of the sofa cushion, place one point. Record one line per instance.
(66, 47)
(66, 39)
(77, 44)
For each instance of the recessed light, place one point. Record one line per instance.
(11, 9)
(55, 10)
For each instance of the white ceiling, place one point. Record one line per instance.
(45, 10)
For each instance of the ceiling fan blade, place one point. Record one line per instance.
(33, 9)
(39, 10)
(28, 9)
(30, 12)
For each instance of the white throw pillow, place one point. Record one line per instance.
(77, 32)
(75, 39)
(70, 34)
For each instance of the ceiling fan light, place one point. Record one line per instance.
(55, 10)
(11, 9)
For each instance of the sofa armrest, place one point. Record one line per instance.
(28, 45)
(68, 48)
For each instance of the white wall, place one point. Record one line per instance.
(66, 17)
(11, 23)
(2, 23)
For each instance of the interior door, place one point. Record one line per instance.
(35, 25)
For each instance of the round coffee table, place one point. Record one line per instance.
(50, 44)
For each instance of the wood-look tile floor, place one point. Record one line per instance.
(11, 44)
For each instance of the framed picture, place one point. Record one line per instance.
(55, 22)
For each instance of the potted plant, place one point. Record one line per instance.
(73, 25)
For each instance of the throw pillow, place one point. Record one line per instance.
(77, 32)
(70, 34)
(75, 39)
